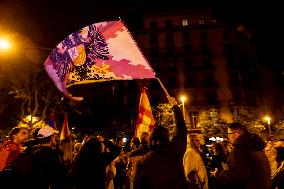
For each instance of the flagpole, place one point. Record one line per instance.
(163, 87)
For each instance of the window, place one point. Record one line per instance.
(229, 48)
(169, 23)
(209, 81)
(186, 49)
(211, 98)
(184, 22)
(226, 35)
(185, 37)
(153, 39)
(187, 65)
(172, 82)
(154, 52)
(203, 36)
(153, 25)
(204, 48)
(170, 50)
(170, 38)
(207, 64)
(201, 21)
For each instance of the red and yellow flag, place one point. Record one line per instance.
(145, 121)
(65, 132)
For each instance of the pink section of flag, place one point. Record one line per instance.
(99, 52)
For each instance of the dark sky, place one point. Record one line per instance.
(48, 22)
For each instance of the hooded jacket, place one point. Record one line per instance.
(248, 166)
(8, 153)
(163, 169)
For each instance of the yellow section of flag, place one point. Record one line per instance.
(145, 121)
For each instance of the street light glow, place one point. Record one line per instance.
(267, 118)
(183, 98)
(4, 44)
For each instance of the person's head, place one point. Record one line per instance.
(217, 148)
(134, 143)
(159, 137)
(196, 140)
(144, 138)
(119, 142)
(19, 135)
(235, 130)
(77, 147)
(47, 135)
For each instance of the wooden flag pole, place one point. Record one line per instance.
(163, 87)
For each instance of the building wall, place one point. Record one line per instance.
(210, 62)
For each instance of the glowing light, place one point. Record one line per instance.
(4, 44)
(268, 119)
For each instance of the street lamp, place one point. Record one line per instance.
(4, 44)
(268, 119)
(183, 98)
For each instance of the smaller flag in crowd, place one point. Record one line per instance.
(145, 121)
(51, 122)
(65, 132)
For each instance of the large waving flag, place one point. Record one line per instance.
(145, 121)
(99, 52)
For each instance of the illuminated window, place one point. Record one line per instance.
(184, 22)
(201, 21)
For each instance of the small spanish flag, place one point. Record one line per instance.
(145, 121)
(65, 132)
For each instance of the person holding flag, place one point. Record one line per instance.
(162, 166)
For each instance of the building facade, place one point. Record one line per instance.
(213, 64)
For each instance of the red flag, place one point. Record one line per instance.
(53, 120)
(145, 121)
(65, 132)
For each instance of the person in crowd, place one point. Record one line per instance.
(194, 166)
(133, 157)
(274, 153)
(76, 148)
(47, 168)
(14, 146)
(271, 154)
(248, 166)
(89, 167)
(162, 166)
(218, 163)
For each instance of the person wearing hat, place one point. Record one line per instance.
(47, 169)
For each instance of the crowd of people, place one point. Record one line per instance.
(153, 161)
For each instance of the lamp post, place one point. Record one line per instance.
(183, 98)
(268, 119)
(4, 44)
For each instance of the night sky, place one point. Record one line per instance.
(47, 22)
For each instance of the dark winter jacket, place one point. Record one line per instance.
(164, 169)
(248, 167)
